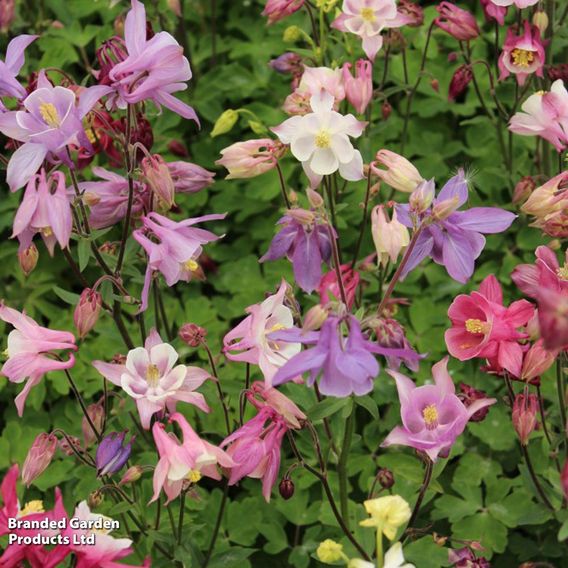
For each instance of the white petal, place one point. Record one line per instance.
(342, 148)
(303, 147)
(324, 162)
(353, 171)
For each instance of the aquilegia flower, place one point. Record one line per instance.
(30, 351)
(250, 158)
(456, 21)
(483, 327)
(453, 238)
(320, 140)
(10, 67)
(152, 378)
(387, 514)
(518, 3)
(278, 9)
(153, 69)
(112, 453)
(493, 12)
(172, 248)
(432, 415)
(51, 121)
(358, 89)
(248, 341)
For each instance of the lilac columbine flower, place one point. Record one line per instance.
(346, 364)
(153, 69)
(51, 121)
(112, 454)
(432, 415)
(172, 248)
(305, 241)
(9, 69)
(188, 177)
(452, 238)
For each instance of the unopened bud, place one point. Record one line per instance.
(192, 334)
(292, 34)
(315, 318)
(540, 20)
(175, 7)
(537, 360)
(435, 84)
(524, 416)
(178, 148)
(158, 178)
(525, 186)
(39, 457)
(96, 413)
(95, 499)
(293, 197)
(445, 208)
(421, 198)
(28, 259)
(87, 311)
(386, 110)
(132, 474)
(257, 127)
(286, 488)
(315, 199)
(302, 215)
(385, 477)
(225, 122)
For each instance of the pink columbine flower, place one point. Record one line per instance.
(39, 457)
(279, 9)
(359, 89)
(545, 114)
(152, 378)
(44, 209)
(483, 327)
(184, 462)
(459, 23)
(367, 19)
(188, 177)
(461, 78)
(50, 122)
(250, 158)
(320, 140)
(248, 341)
(153, 69)
(493, 12)
(9, 69)
(522, 55)
(329, 290)
(398, 172)
(518, 3)
(30, 351)
(432, 415)
(260, 396)
(173, 248)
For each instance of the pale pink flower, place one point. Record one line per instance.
(390, 236)
(249, 342)
(522, 55)
(518, 3)
(10, 67)
(152, 378)
(398, 172)
(30, 351)
(250, 158)
(278, 9)
(359, 89)
(188, 177)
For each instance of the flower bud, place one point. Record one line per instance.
(39, 457)
(96, 413)
(251, 158)
(525, 186)
(385, 477)
(286, 488)
(188, 177)
(225, 122)
(564, 479)
(390, 237)
(178, 148)
(315, 318)
(537, 361)
(540, 20)
(66, 445)
(468, 396)
(524, 416)
(87, 311)
(559, 71)
(435, 84)
(329, 290)
(302, 215)
(386, 110)
(292, 34)
(175, 7)
(457, 22)
(330, 552)
(421, 198)
(444, 209)
(413, 13)
(192, 334)
(132, 474)
(112, 454)
(157, 175)
(287, 63)
(28, 259)
(95, 499)
(399, 173)
(314, 199)
(461, 78)
(359, 89)
(7, 13)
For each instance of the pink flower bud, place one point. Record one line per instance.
(175, 7)
(390, 237)
(188, 177)
(286, 488)
(314, 318)
(96, 413)
(159, 180)
(435, 84)
(559, 71)
(386, 110)
(329, 288)
(288, 63)
(39, 457)
(178, 148)
(460, 80)
(523, 189)
(493, 12)
(385, 477)
(537, 361)
(278, 9)
(314, 198)
(564, 479)
(459, 23)
(399, 174)
(421, 198)
(251, 158)
(444, 209)
(302, 215)
(7, 9)
(192, 334)
(412, 12)
(87, 311)
(359, 89)
(131, 475)
(28, 259)
(524, 416)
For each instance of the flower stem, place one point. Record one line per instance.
(423, 489)
(217, 525)
(364, 220)
(180, 519)
(379, 552)
(342, 467)
(220, 392)
(283, 185)
(83, 406)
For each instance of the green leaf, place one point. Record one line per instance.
(69, 297)
(233, 558)
(84, 252)
(482, 527)
(327, 407)
(368, 404)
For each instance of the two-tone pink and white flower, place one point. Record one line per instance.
(522, 55)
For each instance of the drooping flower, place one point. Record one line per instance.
(483, 327)
(277, 10)
(432, 415)
(305, 240)
(492, 12)
(172, 248)
(39, 457)
(251, 158)
(461, 78)
(329, 290)
(153, 69)
(465, 558)
(50, 122)
(249, 342)
(387, 514)
(188, 177)
(391, 334)
(453, 238)
(29, 351)
(518, 3)
(524, 418)
(412, 12)
(320, 140)
(44, 209)
(112, 453)
(152, 378)
(399, 173)
(288, 63)
(184, 462)
(390, 237)
(544, 114)
(456, 21)
(359, 89)
(87, 311)
(522, 55)
(260, 396)
(158, 179)
(10, 67)
(367, 19)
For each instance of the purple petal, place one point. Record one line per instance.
(456, 187)
(308, 360)
(458, 256)
(483, 219)
(421, 250)
(281, 244)
(306, 260)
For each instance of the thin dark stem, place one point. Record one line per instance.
(342, 467)
(215, 534)
(158, 514)
(220, 392)
(423, 489)
(364, 220)
(180, 519)
(283, 186)
(172, 522)
(82, 404)
(83, 458)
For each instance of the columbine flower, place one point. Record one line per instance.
(453, 238)
(251, 158)
(545, 114)
(394, 558)
(151, 379)
(390, 237)
(172, 248)
(44, 209)
(391, 334)
(330, 552)
(279, 9)
(483, 327)
(184, 462)
(399, 173)
(305, 240)
(359, 89)
(39, 457)
(518, 3)
(522, 55)
(329, 290)
(320, 140)
(492, 12)
(9, 69)
(432, 415)
(387, 514)
(249, 339)
(188, 177)
(465, 558)
(51, 121)
(153, 69)
(112, 453)
(459, 23)
(29, 350)
(367, 19)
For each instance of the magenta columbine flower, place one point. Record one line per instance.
(432, 415)
(10, 67)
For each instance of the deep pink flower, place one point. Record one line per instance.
(39, 457)
(359, 89)
(184, 462)
(493, 12)
(44, 209)
(279, 9)
(522, 55)
(30, 351)
(173, 248)
(432, 415)
(553, 309)
(153, 69)
(461, 78)
(152, 378)
(328, 288)
(10, 67)
(483, 327)
(459, 23)
(260, 396)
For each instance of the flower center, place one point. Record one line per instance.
(193, 476)
(49, 114)
(368, 14)
(562, 272)
(323, 139)
(476, 326)
(152, 375)
(430, 415)
(31, 507)
(522, 57)
(191, 265)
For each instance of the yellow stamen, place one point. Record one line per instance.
(563, 272)
(430, 415)
(323, 139)
(46, 231)
(276, 327)
(368, 14)
(522, 57)
(476, 326)
(31, 507)
(191, 265)
(193, 476)
(152, 375)
(49, 114)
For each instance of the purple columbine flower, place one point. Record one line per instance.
(9, 69)
(346, 365)
(112, 454)
(452, 238)
(305, 240)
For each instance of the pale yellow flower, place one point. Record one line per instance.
(387, 514)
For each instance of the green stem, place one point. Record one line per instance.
(380, 559)
(180, 519)
(342, 467)
(82, 404)
(217, 525)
